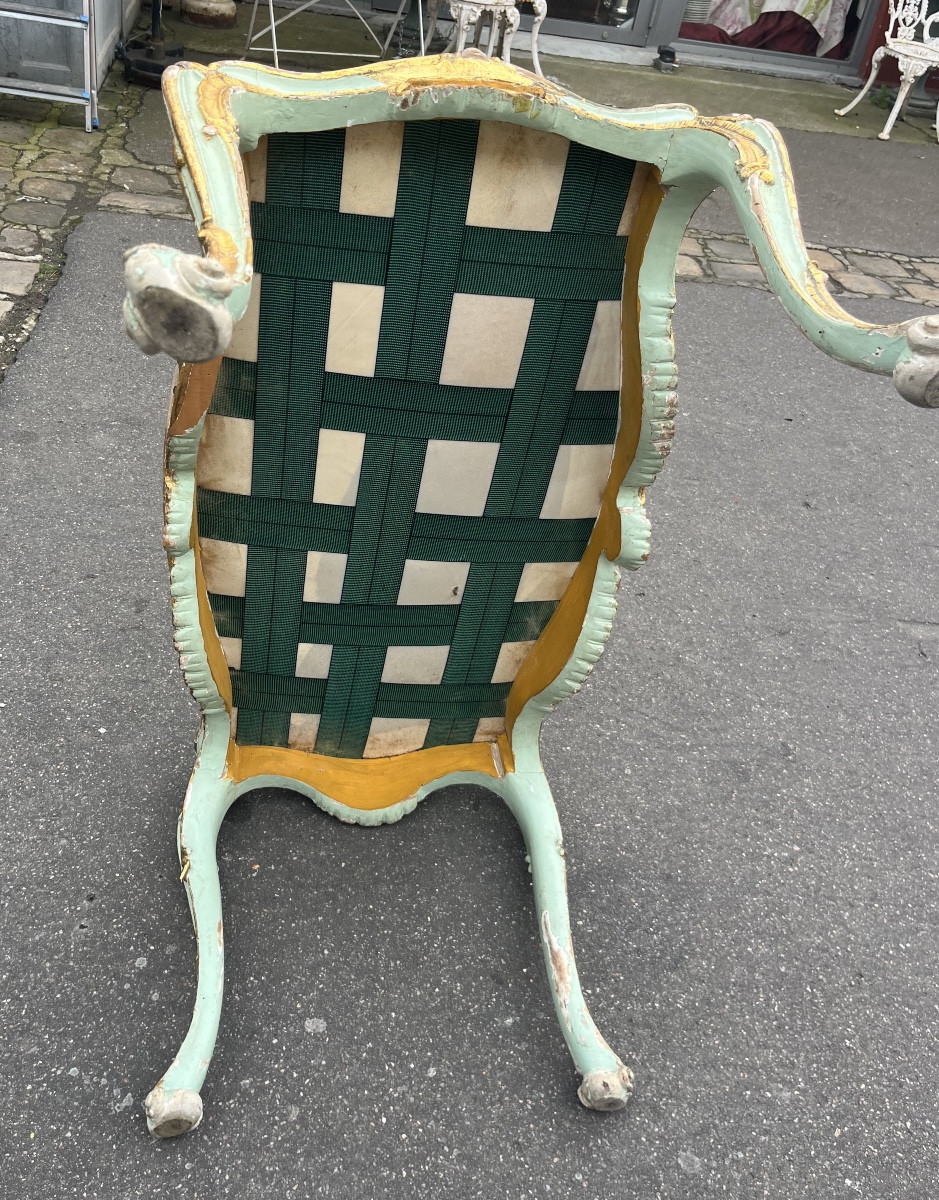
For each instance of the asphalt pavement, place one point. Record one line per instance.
(747, 786)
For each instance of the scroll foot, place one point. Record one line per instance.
(606, 1091)
(170, 1114)
(917, 378)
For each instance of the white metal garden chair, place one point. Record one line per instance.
(911, 42)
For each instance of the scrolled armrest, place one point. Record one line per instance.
(176, 303)
(917, 378)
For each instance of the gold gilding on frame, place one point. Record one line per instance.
(555, 646)
(753, 158)
(219, 244)
(402, 78)
(365, 783)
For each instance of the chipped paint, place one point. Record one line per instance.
(559, 964)
(684, 157)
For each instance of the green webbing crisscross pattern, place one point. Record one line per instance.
(421, 256)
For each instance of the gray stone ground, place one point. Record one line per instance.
(747, 785)
(747, 782)
(53, 173)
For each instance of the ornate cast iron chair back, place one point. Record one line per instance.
(427, 375)
(912, 38)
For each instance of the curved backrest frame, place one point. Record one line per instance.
(219, 113)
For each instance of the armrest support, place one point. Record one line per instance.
(182, 304)
(750, 160)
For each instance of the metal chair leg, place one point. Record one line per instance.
(250, 37)
(541, 10)
(270, 7)
(909, 73)
(875, 67)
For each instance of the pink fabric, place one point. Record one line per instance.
(826, 16)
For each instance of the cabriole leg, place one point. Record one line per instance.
(175, 1106)
(875, 67)
(909, 73)
(607, 1083)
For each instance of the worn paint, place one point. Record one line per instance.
(220, 112)
(560, 966)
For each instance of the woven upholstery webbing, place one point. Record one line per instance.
(421, 256)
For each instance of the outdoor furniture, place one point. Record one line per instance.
(500, 17)
(274, 23)
(910, 40)
(426, 375)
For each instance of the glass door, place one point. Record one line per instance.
(623, 21)
(830, 33)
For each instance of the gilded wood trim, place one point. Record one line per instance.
(365, 783)
(554, 648)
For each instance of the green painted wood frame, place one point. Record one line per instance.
(185, 306)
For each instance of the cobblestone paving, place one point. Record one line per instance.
(52, 173)
(726, 258)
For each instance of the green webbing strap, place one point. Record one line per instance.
(611, 187)
(391, 468)
(580, 180)
(334, 705)
(484, 617)
(434, 536)
(390, 407)
(588, 251)
(281, 695)
(384, 624)
(442, 251)
(278, 524)
(421, 256)
(409, 395)
(290, 372)
(551, 364)
(516, 262)
(319, 229)
(411, 220)
(235, 389)
(305, 171)
(388, 486)
(321, 266)
(544, 283)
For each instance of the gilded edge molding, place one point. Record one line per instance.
(404, 82)
(181, 453)
(221, 110)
